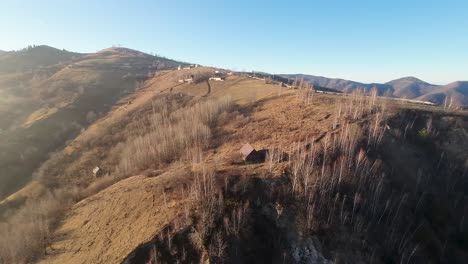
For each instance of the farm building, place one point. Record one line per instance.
(249, 154)
(98, 172)
(217, 79)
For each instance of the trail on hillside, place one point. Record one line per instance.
(209, 88)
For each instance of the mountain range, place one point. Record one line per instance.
(406, 87)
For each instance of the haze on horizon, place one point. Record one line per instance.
(366, 41)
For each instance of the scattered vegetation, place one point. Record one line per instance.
(171, 134)
(366, 198)
(349, 187)
(173, 130)
(26, 235)
(365, 209)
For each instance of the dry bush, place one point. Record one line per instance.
(344, 189)
(26, 235)
(358, 105)
(306, 94)
(160, 133)
(103, 145)
(148, 137)
(336, 182)
(172, 134)
(273, 156)
(210, 206)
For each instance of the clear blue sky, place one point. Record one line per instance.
(369, 41)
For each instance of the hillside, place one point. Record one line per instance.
(455, 93)
(406, 87)
(410, 87)
(341, 84)
(44, 106)
(332, 176)
(33, 57)
(243, 125)
(148, 215)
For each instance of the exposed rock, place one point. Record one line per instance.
(309, 251)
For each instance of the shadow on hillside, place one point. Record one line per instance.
(264, 235)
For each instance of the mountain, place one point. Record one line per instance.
(406, 87)
(1, 52)
(345, 86)
(48, 95)
(32, 57)
(455, 93)
(410, 87)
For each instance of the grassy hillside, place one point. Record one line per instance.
(44, 107)
(350, 176)
(358, 179)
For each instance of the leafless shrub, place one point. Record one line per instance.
(26, 234)
(336, 182)
(171, 135)
(217, 247)
(306, 94)
(448, 104)
(273, 157)
(209, 202)
(172, 128)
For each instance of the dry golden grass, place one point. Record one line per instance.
(135, 130)
(157, 129)
(106, 227)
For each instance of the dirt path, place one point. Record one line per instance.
(209, 88)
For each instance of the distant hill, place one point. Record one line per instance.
(342, 85)
(48, 95)
(410, 87)
(406, 87)
(456, 92)
(32, 57)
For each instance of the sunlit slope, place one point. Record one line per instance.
(53, 107)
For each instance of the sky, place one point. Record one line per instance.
(367, 41)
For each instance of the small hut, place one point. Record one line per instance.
(249, 154)
(98, 172)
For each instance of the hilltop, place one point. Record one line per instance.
(33, 57)
(410, 87)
